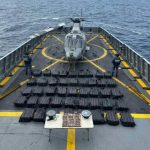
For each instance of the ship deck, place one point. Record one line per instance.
(50, 55)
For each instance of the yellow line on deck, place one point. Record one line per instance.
(15, 70)
(50, 57)
(4, 81)
(25, 81)
(95, 65)
(71, 139)
(10, 114)
(71, 132)
(58, 39)
(131, 71)
(56, 62)
(141, 116)
(92, 39)
(140, 95)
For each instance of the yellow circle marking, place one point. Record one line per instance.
(83, 61)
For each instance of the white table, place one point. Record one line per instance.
(58, 122)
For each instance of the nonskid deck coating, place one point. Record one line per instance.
(36, 137)
(32, 136)
(135, 104)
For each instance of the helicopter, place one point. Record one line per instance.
(75, 41)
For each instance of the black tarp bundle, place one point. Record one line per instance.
(111, 118)
(27, 91)
(50, 91)
(27, 115)
(36, 72)
(127, 120)
(44, 102)
(20, 102)
(32, 82)
(98, 117)
(42, 81)
(32, 101)
(38, 91)
(39, 115)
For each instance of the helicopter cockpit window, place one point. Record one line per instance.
(74, 43)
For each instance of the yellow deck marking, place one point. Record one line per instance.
(56, 62)
(71, 139)
(131, 71)
(33, 66)
(92, 39)
(4, 81)
(15, 70)
(49, 57)
(95, 65)
(71, 132)
(24, 82)
(102, 56)
(141, 116)
(84, 61)
(141, 96)
(58, 39)
(10, 114)
(143, 85)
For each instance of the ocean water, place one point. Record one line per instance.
(129, 20)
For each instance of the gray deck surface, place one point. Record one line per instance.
(55, 49)
(33, 136)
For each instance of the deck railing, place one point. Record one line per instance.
(12, 59)
(135, 60)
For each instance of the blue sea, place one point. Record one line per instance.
(129, 20)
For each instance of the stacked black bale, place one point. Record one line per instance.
(52, 81)
(121, 105)
(32, 101)
(63, 82)
(127, 120)
(36, 72)
(56, 102)
(101, 83)
(72, 91)
(83, 82)
(50, 91)
(95, 103)
(27, 91)
(39, 115)
(105, 93)
(42, 81)
(69, 102)
(20, 102)
(111, 118)
(84, 104)
(84, 92)
(107, 104)
(116, 94)
(111, 83)
(99, 75)
(73, 82)
(94, 92)
(62, 91)
(98, 117)
(92, 82)
(63, 74)
(38, 91)
(32, 82)
(27, 115)
(47, 73)
(44, 102)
